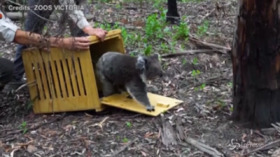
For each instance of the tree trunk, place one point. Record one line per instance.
(256, 63)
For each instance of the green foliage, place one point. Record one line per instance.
(202, 86)
(162, 16)
(153, 27)
(195, 61)
(231, 109)
(167, 31)
(184, 61)
(105, 1)
(202, 29)
(45, 29)
(164, 47)
(187, 1)
(128, 38)
(118, 6)
(172, 46)
(182, 31)
(230, 84)
(23, 127)
(128, 124)
(221, 103)
(158, 4)
(125, 140)
(195, 73)
(148, 50)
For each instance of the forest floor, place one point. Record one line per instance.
(200, 126)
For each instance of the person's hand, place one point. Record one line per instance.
(100, 33)
(74, 43)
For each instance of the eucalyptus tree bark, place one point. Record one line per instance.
(256, 63)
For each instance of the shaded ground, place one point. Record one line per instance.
(204, 115)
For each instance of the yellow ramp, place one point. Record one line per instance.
(161, 103)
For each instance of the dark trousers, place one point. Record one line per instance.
(34, 23)
(6, 71)
(172, 14)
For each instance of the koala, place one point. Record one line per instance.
(118, 72)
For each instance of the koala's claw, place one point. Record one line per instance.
(150, 108)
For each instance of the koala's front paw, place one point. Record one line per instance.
(150, 108)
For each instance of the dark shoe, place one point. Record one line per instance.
(173, 20)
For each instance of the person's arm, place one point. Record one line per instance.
(79, 18)
(9, 32)
(27, 38)
(7, 29)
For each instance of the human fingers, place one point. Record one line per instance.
(81, 45)
(101, 35)
(82, 40)
(76, 43)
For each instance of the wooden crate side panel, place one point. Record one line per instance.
(87, 71)
(32, 75)
(65, 80)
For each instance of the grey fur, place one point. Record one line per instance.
(118, 71)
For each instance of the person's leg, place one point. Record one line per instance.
(172, 14)
(33, 23)
(6, 72)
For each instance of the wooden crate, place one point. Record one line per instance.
(63, 80)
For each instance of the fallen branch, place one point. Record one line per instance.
(216, 47)
(207, 15)
(124, 147)
(100, 124)
(203, 147)
(265, 147)
(187, 52)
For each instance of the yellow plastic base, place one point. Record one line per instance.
(161, 103)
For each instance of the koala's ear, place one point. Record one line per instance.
(141, 63)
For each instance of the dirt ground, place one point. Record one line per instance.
(203, 117)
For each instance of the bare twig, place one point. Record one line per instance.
(265, 147)
(100, 124)
(124, 147)
(216, 47)
(188, 52)
(208, 14)
(24, 85)
(203, 147)
(276, 126)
